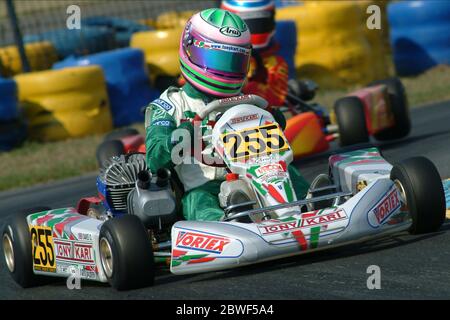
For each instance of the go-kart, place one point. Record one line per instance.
(379, 110)
(134, 225)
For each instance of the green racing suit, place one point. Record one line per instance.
(174, 108)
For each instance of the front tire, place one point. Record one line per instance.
(421, 184)
(17, 249)
(126, 253)
(351, 121)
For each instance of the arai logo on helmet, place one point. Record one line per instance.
(230, 31)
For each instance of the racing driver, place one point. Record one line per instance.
(210, 74)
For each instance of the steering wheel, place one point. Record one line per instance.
(221, 105)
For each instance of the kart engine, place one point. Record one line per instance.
(127, 187)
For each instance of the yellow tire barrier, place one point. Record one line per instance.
(335, 47)
(41, 56)
(60, 104)
(163, 63)
(161, 51)
(148, 22)
(173, 20)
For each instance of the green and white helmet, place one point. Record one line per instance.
(215, 51)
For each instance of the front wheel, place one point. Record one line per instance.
(17, 248)
(419, 183)
(126, 253)
(351, 121)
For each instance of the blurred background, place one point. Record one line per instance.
(59, 84)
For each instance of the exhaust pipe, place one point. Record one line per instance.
(144, 178)
(162, 177)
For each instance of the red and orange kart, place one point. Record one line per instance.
(379, 110)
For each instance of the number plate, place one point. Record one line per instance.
(254, 142)
(43, 249)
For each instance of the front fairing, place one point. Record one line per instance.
(252, 145)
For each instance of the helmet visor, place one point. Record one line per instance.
(219, 57)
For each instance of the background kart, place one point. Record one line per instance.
(362, 197)
(379, 110)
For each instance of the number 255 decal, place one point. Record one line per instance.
(254, 142)
(43, 248)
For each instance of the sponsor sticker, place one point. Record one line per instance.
(242, 98)
(303, 223)
(268, 168)
(244, 118)
(162, 123)
(230, 31)
(63, 249)
(201, 242)
(384, 209)
(74, 251)
(163, 104)
(83, 252)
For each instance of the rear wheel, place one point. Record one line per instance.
(399, 107)
(420, 185)
(126, 253)
(17, 248)
(108, 149)
(351, 121)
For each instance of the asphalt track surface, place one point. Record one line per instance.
(412, 267)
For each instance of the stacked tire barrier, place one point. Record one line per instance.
(420, 35)
(127, 81)
(66, 103)
(333, 47)
(123, 29)
(41, 56)
(173, 20)
(286, 36)
(161, 51)
(161, 46)
(84, 41)
(13, 128)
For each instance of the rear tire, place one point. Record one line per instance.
(400, 109)
(17, 249)
(108, 149)
(424, 193)
(351, 121)
(126, 253)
